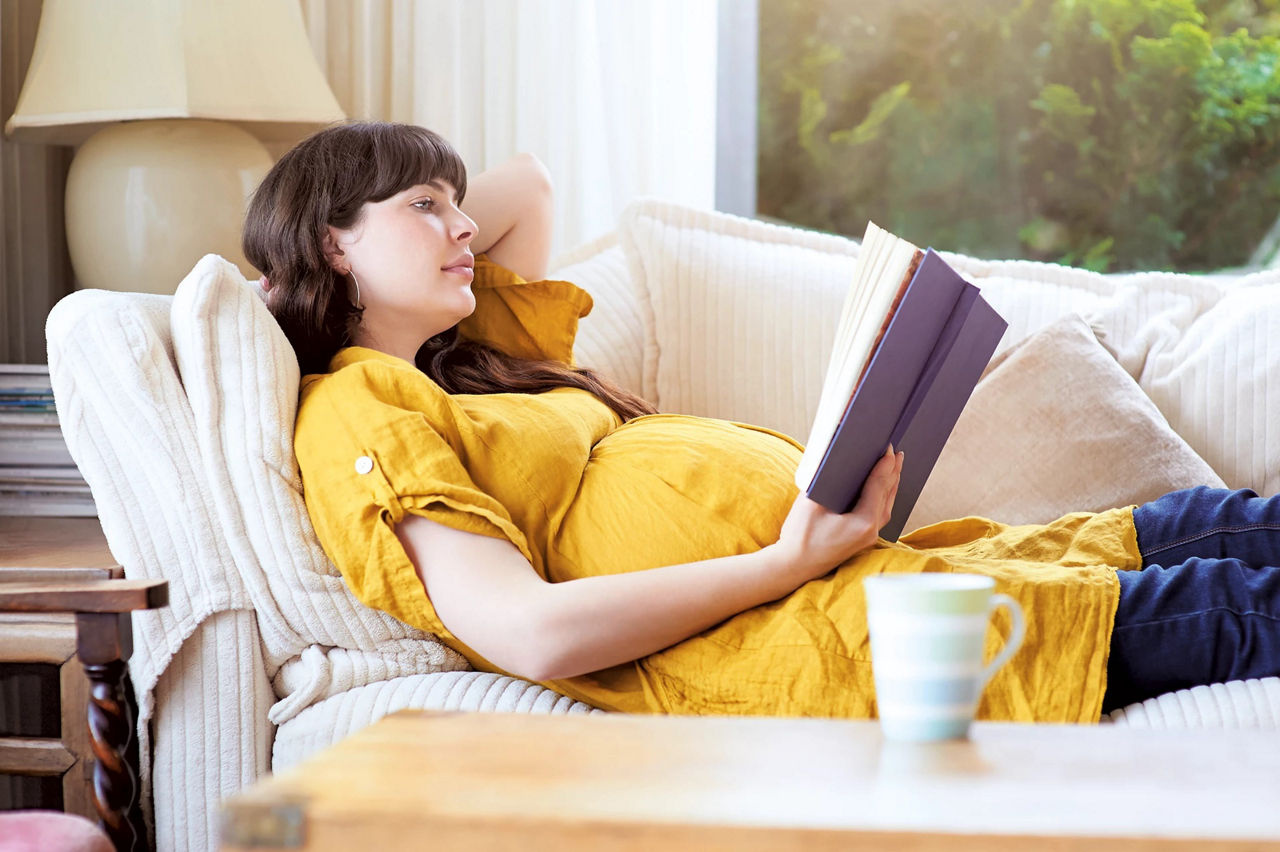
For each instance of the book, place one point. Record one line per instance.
(37, 445)
(52, 473)
(26, 417)
(26, 378)
(39, 501)
(913, 339)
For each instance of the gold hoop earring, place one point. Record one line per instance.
(352, 273)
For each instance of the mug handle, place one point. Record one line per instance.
(1015, 636)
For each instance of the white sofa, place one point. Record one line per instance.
(179, 412)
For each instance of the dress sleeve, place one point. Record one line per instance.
(375, 443)
(527, 319)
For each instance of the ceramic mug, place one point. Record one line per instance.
(928, 632)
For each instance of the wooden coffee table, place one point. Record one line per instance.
(481, 781)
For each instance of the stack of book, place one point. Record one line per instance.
(37, 475)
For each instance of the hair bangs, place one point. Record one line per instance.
(405, 156)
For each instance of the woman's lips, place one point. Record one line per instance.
(460, 270)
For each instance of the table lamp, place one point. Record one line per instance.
(168, 101)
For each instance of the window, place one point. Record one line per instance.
(1111, 135)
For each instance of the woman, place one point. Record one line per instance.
(545, 523)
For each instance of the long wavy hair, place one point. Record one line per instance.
(326, 180)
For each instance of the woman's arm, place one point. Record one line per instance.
(487, 594)
(511, 205)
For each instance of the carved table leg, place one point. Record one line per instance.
(132, 759)
(104, 642)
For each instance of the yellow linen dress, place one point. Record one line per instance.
(580, 494)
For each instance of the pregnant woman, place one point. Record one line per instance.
(465, 477)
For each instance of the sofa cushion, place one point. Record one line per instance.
(341, 715)
(1253, 703)
(739, 315)
(1218, 381)
(1056, 426)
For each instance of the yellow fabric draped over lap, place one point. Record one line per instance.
(580, 494)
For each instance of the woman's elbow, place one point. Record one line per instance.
(539, 195)
(524, 646)
(545, 651)
(537, 177)
(539, 671)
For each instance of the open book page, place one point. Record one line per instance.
(883, 266)
(888, 317)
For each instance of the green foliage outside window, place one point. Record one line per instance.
(1100, 133)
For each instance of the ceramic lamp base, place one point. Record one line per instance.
(147, 199)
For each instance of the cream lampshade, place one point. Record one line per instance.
(168, 101)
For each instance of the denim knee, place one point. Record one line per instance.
(1203, 621)
(1209, 523)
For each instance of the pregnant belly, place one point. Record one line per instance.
(666, 489)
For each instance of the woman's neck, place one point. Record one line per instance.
(403, 347)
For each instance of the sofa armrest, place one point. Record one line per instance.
(210, 731)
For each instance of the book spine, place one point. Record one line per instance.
(927, 432)
(941, 350)
(29, 451)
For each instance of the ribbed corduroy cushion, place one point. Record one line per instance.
(1238, 704)
(336, 717)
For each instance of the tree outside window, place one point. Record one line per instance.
(1106, 134)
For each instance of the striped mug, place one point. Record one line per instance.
(927, 637)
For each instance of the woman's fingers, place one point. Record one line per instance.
(878, 489)
(891, 493)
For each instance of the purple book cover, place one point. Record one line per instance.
(919, 379)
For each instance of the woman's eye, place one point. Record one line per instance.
(424, 204)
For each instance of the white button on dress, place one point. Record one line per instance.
(364, 464)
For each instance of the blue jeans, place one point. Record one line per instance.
(1205, 608)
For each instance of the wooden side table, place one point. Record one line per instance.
(60, 590)
(51, 549)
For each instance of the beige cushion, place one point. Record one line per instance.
(1057, 426)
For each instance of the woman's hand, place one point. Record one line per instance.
(815, 540)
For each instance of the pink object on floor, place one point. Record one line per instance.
(50, 831)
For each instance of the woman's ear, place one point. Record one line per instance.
(332, 253)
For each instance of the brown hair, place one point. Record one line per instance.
(326, 180)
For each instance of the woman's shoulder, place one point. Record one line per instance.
(365, 391)
(356, 371)
(369, 401)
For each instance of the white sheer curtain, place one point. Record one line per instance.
(617, 97)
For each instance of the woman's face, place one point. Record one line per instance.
(411, 256)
